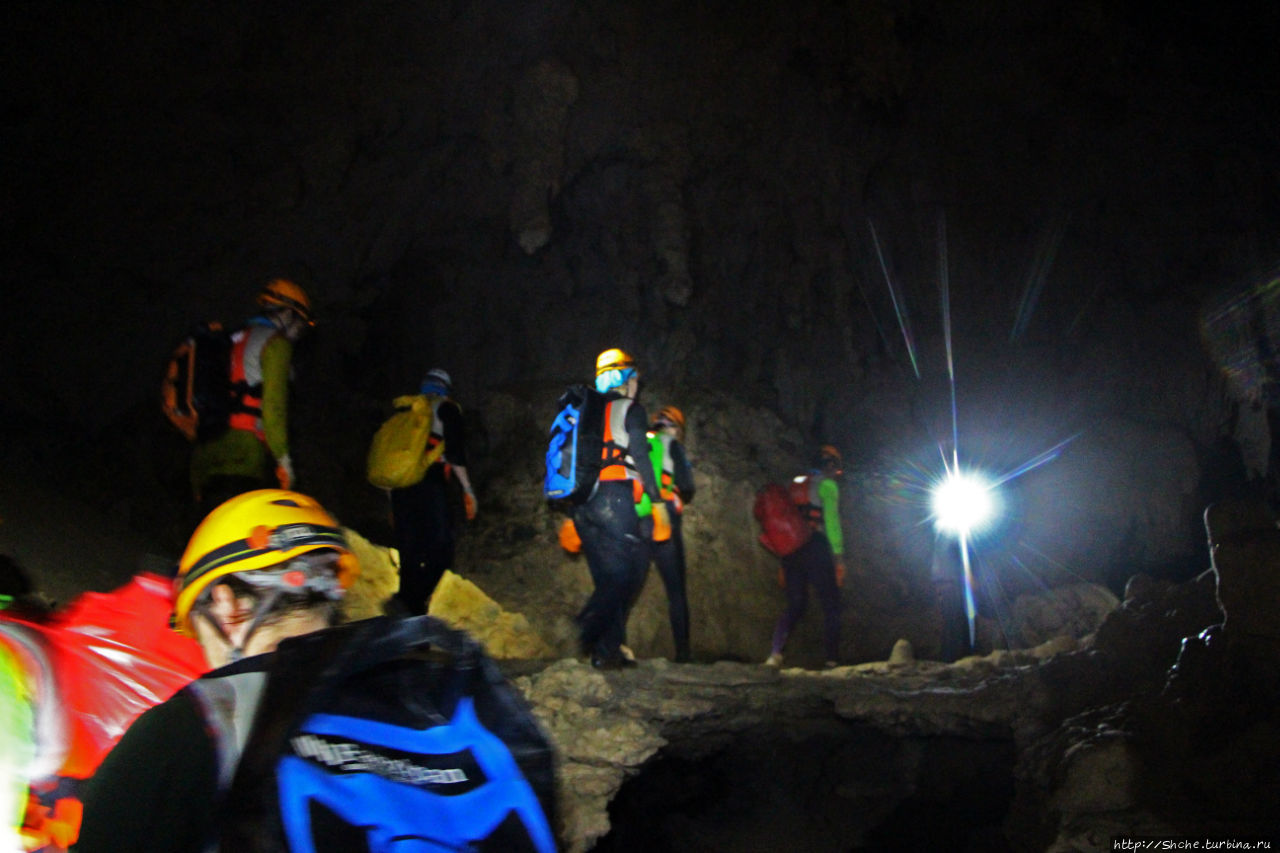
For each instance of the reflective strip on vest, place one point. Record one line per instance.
(52, 738)
(617, 442)
(228, 706)
(667, 472)
(246, 377)
(804, 493)
(437, 429)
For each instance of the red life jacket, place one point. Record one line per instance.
(96, 666)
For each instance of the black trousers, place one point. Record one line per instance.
(617, 558)
(668, 559)
(954, 627)
(423, 522)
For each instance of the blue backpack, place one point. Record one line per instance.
(391, 736)
(575, 447)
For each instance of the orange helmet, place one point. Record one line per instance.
(256, 531)
(283, 293)
(671, 415)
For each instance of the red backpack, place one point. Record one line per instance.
(783, 529)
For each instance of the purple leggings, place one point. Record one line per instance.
(812, 564)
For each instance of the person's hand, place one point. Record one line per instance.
(839, 572)
(469, 503)
(284, 471)
(569, 539)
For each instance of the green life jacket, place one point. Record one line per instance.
(657, 454)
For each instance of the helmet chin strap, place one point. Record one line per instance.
(265, 603)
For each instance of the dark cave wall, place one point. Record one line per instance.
(506, 188)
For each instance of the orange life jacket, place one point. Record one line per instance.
(246, 377)
(616, 459)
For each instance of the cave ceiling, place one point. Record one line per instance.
(772, 200)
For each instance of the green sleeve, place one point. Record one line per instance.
(277, 354)
(829, 494)
(17, 730)
(157, 789)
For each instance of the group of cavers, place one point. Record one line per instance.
(226, 707)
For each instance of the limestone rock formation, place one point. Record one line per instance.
(1130, 734)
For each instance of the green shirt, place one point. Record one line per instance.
(829, 494)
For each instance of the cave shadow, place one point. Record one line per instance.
(819, 786)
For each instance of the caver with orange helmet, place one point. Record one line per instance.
(276, 552)
(254, 452)
(830, 460)
(671, 416)
(283, 293)
(820, 560)
(675, 481)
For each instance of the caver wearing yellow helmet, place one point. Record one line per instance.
(319, 737)
(607, 522)
(254, 452)
(257, 561)
(614, 368)
(264, 567)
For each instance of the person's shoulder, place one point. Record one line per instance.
(175, 724)
(277, 342)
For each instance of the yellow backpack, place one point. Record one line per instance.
(398, 456)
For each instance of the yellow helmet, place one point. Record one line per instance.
(282, 293)
(256, 530)
(613, 359)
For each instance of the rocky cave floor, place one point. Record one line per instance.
(1161, 723)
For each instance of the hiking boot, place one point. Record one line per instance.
(774, 659)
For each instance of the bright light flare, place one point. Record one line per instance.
(963, 504)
